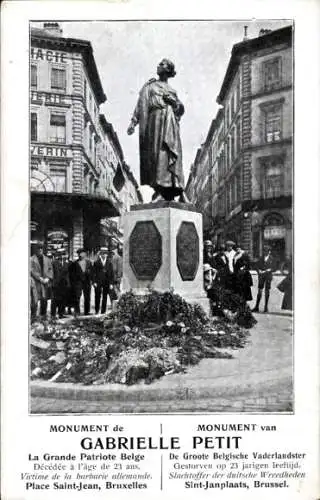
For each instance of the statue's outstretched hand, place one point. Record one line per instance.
(130, 129)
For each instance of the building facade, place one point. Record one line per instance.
(71, 174)
(251, 148)
(124, 191)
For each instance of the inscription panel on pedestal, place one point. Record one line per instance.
(145, 250)
(187, 246)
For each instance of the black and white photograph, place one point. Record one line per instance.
(161, 216)
(160, 245)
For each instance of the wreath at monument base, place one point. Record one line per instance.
(144, 339)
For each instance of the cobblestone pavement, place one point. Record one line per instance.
(257, 379)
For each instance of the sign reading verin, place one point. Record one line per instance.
(53, 151)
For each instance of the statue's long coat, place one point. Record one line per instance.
(159, 131)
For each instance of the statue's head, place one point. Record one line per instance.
(166, 66)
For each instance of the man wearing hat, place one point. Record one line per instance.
(103, 279)
(230, 254)
(60, 284)
(208, 257)
(42, 275)
(265, 266)
(80, 273)
(221, 264)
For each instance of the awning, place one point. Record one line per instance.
(48, 202)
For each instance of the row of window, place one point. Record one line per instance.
(233, 144)
(58, 78)
(233, 192)
(58, 81)
(89, 101)
(234, 104)
(272, 73)
(272, 179)
(271, 186)
(272, 122)
(272, 79)
(57, 131)
(57, 177)
(272, 132)
(55, 181)
(57, 134)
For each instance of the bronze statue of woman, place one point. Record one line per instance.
(158, 112)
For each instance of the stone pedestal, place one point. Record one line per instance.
(163, 250)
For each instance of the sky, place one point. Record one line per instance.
(127, 54)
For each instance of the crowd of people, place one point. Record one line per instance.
(228, 280)
(64, 282)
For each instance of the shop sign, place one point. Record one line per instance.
(47, 98)
(57, 240)
(274, 232)
(57, 235)
(48, 55)
(52, 151)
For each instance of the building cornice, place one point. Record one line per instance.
(246, 48)
(84, 47)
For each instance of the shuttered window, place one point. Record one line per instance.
(58, 177)
(273, 178)
(58, 128)
(58, 78)
(34, 75)
(34, 127)
(272, 73)
(273, 125)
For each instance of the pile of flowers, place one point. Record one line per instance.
(144, 339)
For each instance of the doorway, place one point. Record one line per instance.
(278, 247)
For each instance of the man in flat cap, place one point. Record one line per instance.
(42, 275)
(103, 279)
(80, 273)
(208, 257)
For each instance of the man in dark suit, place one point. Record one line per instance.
(265, 267)
(220, 263)
(60, 284)
(42, 275)
(243, 278)
(80, 273)
(103, 279)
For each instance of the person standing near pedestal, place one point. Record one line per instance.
(230, 254)
(208, 257)
(221, 265)
(158, 112)
(60, 284)
(80, 277)
(103, 279)
(265, 266)
(243, 278)
(42, 274)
